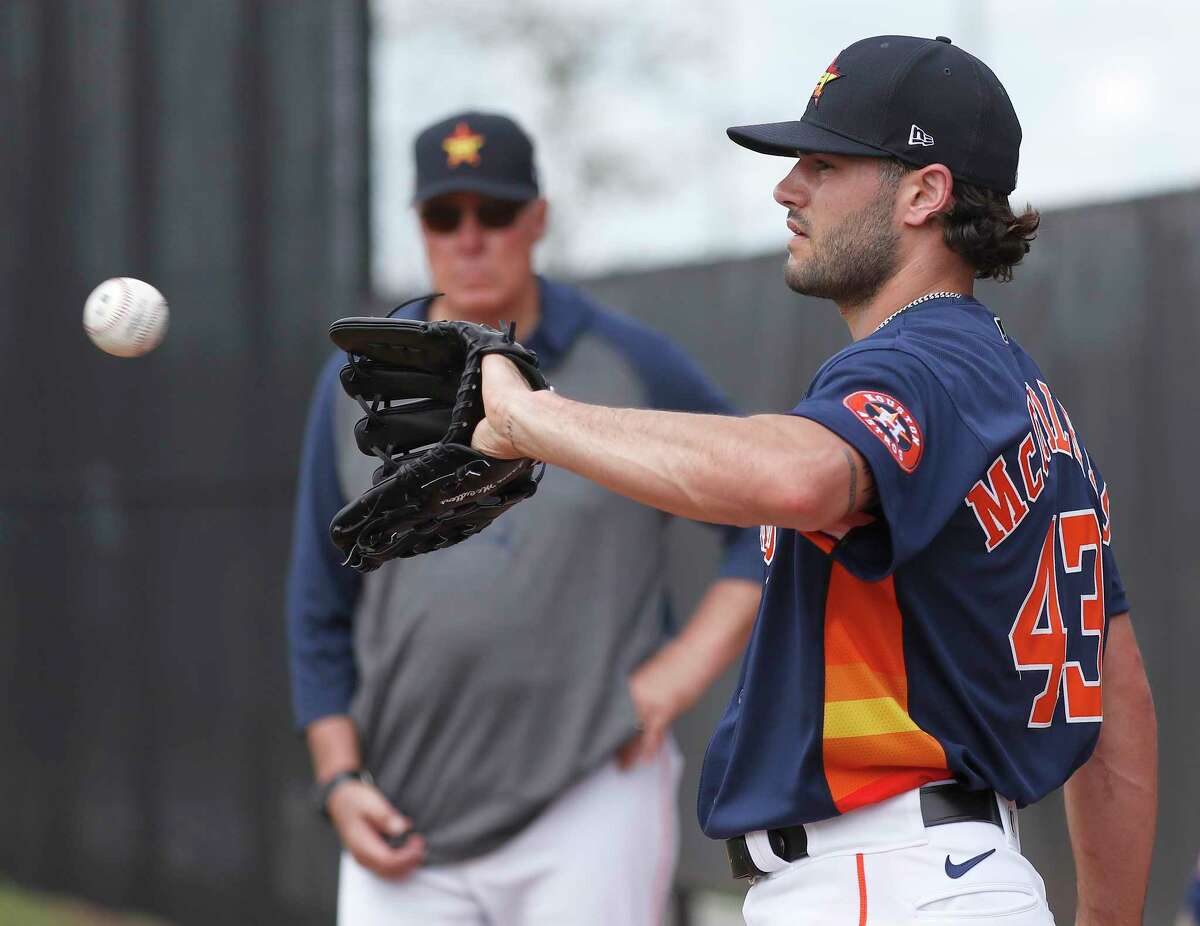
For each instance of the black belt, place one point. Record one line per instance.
(943, 803)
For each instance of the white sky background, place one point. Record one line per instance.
(634, 159)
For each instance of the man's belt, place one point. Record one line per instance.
(943, 803)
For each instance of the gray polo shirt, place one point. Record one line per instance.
(486, 678)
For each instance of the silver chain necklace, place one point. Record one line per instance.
(924, 298)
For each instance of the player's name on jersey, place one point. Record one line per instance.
(998, 501)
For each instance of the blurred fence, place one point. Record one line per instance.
(218, 150)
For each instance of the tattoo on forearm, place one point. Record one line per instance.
(862, 491)
(853, 500)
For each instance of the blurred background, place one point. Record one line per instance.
(251, 158)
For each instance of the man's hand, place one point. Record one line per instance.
(673, 679)
(657, 695)
(373, 831)
(501, 382)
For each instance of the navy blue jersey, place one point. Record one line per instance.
(957, 630)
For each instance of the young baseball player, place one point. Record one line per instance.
(941, 594)
(489, 724)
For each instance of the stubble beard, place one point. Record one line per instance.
(851, 261)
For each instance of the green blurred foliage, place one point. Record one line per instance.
(19, 907)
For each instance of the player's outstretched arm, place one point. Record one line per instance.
(767, 469)
(1112, 800)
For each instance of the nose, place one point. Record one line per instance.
(469, 234)
(791, 192)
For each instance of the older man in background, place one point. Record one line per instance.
(489, 724)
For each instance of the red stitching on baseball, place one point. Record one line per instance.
(119, 313)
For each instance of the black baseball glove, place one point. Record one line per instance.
(420, 384)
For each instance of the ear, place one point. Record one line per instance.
(538, 210)
(925, 193)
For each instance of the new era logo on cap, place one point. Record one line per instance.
(918, 136)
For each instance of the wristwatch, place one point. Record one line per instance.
(321, 791)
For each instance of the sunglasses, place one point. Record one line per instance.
(445, 218)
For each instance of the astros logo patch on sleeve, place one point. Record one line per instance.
(886, 418)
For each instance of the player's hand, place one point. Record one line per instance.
(501, 382)
(373, 831)
(654, 687)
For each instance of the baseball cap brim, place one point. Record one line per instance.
(788, 139)
(517, 192)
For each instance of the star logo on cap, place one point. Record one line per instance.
(831, 73)
(462, 146)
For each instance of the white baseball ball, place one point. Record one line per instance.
(125, 317)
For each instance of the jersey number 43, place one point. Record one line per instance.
(1041, 644)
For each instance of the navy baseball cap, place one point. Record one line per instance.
(922, 101)
(475, 152)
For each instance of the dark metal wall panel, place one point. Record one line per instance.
(1106, 302)
(218, 151)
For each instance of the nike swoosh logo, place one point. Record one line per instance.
(957, 871)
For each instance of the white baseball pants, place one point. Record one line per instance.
(881, 866)
(602, 854)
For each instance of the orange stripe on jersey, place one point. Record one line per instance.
(820, 539)
(872, 749)
(913, 760)
(857, 681)
(862, 628)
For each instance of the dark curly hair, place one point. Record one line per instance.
(980, 225)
